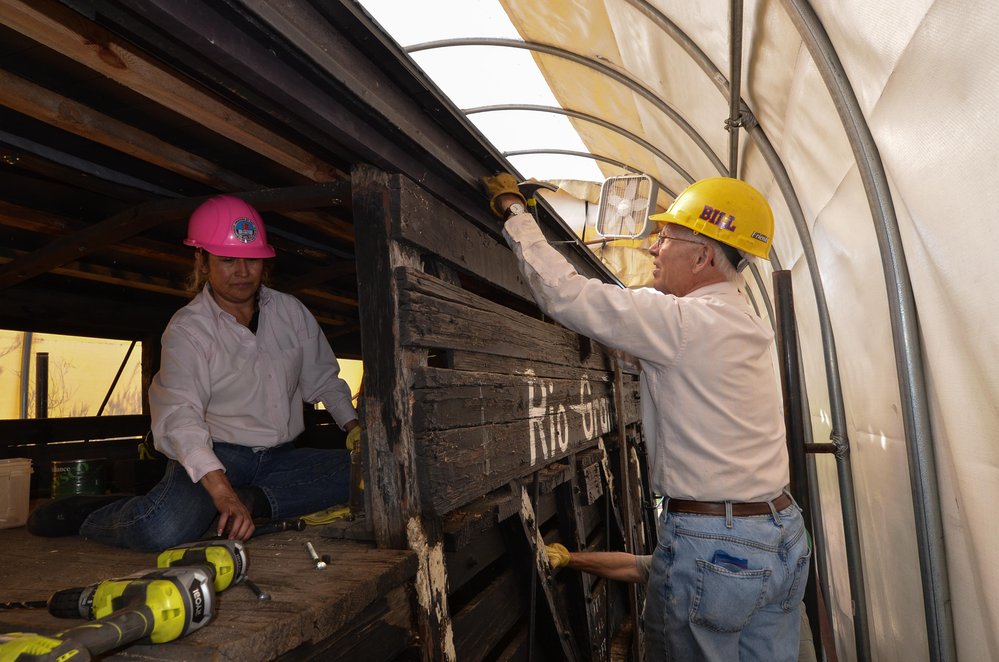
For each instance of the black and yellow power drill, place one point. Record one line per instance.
(155, 606)
(226, 558)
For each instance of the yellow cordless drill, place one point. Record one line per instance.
(155, 606)
(159, 605)
(226, 559)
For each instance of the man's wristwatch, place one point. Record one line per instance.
(513, 210)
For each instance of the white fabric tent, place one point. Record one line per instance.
(924, 75)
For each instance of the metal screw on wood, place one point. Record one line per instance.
(261, 595)
(320, 564)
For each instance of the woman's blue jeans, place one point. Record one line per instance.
(296, 481)
(727, 589)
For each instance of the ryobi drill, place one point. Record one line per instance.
(159, 605)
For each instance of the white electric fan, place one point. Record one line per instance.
(625, 204)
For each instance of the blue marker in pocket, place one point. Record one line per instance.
(729, 562)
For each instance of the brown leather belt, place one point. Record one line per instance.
(718, 507)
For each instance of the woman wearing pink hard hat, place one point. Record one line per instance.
(237, 363)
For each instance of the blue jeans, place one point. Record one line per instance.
(727, 590)
(296, 481)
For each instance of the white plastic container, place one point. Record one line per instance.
(15, 481)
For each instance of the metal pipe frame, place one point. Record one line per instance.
(766, 299)
(586, 155)
(837, 409)
(616, 128)
(905, 332)
(735, 86)
(591, 63)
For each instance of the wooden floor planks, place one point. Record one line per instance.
(307, 605)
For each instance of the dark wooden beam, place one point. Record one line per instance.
(56, 110)
(140, 218)
(48, 430)
(543, 574)
(50, 310)
(66, 32)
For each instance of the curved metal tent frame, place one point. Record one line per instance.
(591, 63)
(905, 333)
(593, 119)
(837, 406)
(904, 322)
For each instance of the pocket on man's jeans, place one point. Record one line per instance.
(725, 600)
(797, 590)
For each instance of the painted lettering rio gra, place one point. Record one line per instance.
(550, 422)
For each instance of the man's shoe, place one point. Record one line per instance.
(64, 516)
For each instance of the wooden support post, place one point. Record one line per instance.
(626, 501)
(393, 487)
(583, 585)
(543, 571)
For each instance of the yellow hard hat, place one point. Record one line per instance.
(727, 210)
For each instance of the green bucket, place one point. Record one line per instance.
(79, 477)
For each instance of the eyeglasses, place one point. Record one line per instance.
(663, 236)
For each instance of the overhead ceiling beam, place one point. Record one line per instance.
(33, 220)
(330, 100)
(143, 217)
(68, 115)
(84, 174)
(110, 275)
(65, 32)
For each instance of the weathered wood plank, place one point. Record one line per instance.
(515, 649)
(307, 605)
(382, 632)
(70, 34)
(394, 497)
(392, 492)
(435, 314)
(458, 465)
(498, 429)
(47, 430)
(474, 557)
(471, 361)
(480, 626)
(448, 399)
(431, 225)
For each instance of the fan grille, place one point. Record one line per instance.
(625, 203)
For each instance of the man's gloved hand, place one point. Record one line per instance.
(558, 555)
(353, 437)
(496, 186)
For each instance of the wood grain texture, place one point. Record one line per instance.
(307, 605)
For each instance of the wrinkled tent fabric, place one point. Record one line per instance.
(926, 77)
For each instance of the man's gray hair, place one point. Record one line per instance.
(721, 261)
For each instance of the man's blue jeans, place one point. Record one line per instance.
(296, 481)
(727, 589)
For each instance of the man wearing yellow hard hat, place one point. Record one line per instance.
(732, 562)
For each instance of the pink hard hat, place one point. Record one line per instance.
(228, 227)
